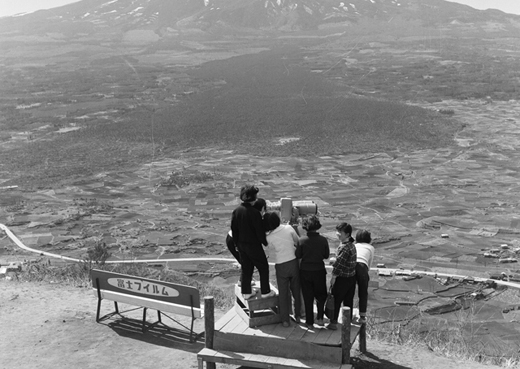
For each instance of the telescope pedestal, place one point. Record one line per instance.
(257, 311)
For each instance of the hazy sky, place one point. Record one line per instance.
(508, 6)
(10, 7)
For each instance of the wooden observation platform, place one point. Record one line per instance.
(251, 334)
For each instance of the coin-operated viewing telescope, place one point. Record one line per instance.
(286, 207)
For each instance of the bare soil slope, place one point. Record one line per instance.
(47, 326)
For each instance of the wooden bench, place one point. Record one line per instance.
(147, 294)
(214, 352)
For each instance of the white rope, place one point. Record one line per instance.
(20, 244)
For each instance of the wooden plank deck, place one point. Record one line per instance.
(272, 346)
(224, 320)
(234, 324)
(234, 334)
(297, 333)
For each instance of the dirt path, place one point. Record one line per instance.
(46, 326)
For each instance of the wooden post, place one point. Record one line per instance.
(209, 325)
(363, 338)
(345, 335)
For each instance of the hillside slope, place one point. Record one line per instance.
(59, 330)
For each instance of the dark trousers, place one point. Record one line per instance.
(362, 279)
(314, 286)
(343, 291)
(288, 281)
(232, 248)
(251, 256)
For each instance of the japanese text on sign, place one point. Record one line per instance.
(143, 287)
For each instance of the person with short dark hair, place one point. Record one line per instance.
(283, 240)
(365, 255)
(343, 279)
(312, 250)
(249, 236)
(259, 204)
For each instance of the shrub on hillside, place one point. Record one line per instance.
(183, 179)
(97, 254)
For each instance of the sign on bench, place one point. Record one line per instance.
(149, 294)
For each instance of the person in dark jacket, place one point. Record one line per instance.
(261, 205)
(312, 250)
(249, 236)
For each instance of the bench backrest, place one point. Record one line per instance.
(145, 288)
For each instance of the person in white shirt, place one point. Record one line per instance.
(365, 256)
(282, 240)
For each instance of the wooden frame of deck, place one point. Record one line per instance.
(231, 340)
(257, 310)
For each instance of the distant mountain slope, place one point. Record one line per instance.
(91, 16)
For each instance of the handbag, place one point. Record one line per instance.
(329, 305)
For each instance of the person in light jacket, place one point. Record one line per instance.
(282, 239)
(365, 255)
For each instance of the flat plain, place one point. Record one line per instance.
(146, 152)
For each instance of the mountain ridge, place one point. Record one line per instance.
(165, 17)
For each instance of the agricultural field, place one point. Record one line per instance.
(413, 138)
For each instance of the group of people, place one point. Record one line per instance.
(299, 261)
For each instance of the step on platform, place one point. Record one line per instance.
(257, 311)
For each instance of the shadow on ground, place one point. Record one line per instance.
(371, 361)
(160, 334)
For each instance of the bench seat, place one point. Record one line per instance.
(165, 307)
(165, 297)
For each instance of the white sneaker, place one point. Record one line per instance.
(270, 294)
(247, 296)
